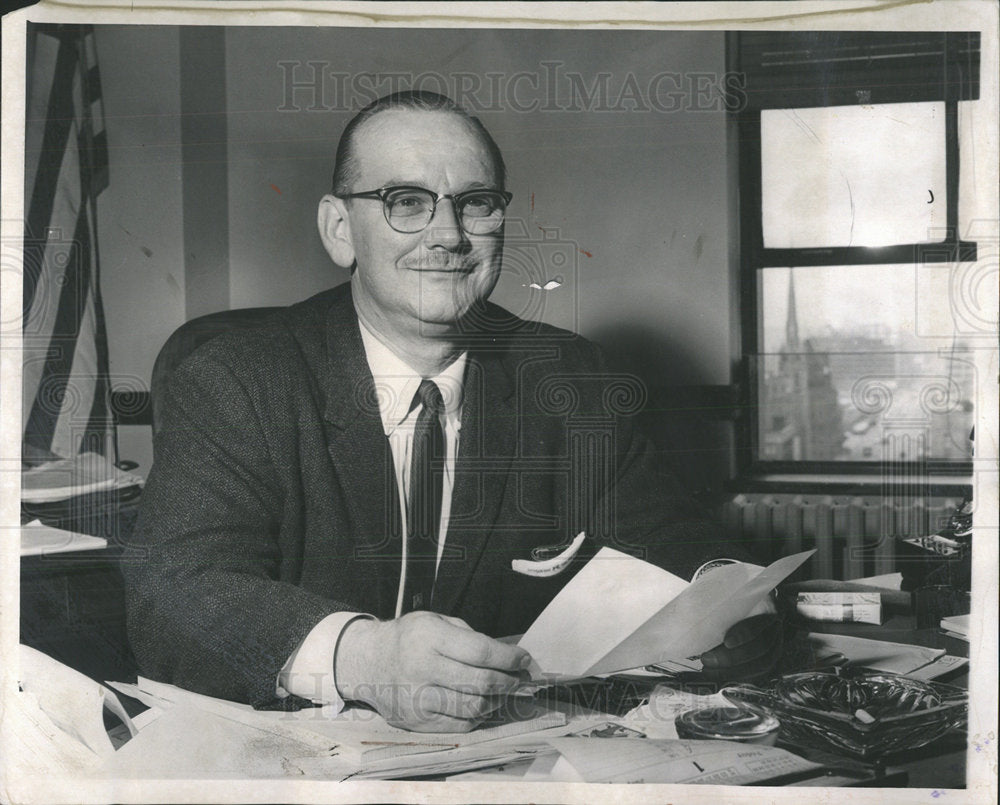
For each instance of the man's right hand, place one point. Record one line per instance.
(427, 672)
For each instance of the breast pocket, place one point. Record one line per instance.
(548, 561)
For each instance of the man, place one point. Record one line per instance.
(338, 495)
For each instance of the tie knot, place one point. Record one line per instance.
(430, 395)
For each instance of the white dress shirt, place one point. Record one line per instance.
(309, 671)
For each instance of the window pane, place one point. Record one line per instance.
(844, 376)
(853, 175)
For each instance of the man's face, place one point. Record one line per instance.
(423, 281)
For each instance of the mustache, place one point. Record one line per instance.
(451, 263)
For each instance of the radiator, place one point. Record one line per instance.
(853, 536)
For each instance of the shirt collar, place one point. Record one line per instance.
(396, 382)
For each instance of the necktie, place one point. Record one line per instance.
(423, 514)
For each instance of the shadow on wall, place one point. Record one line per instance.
(683, 421)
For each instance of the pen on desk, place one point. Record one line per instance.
(406, 743)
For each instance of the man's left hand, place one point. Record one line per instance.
(751, 649)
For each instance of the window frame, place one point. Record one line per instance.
(753, 256)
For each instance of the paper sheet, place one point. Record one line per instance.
(656, 717)
(38, 539)
(315, 742)
(644, 760)
(73, 702)
(68, 477)
(899, 658)
(612, 596)
(185, 742)
(620, 612)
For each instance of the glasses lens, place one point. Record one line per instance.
(481, 212)
(409, 209)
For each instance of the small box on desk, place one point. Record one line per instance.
(853, 607)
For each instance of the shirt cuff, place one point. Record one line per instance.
(309, 671)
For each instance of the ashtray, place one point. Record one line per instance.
(861, 712)
(740, 722)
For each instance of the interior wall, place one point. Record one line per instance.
(139, 214)
(616, 149)
(618, 195)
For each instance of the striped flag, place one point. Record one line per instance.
(66, 394)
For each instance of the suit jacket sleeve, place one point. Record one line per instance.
(207, 609)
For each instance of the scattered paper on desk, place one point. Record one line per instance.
(644, 760)
(656, 717)
(957, 625)
(898, 658)
(940, 667)
(317, 743)
(185, 742)
(619, 612)
(423, 743)
(38, 539)
(68, 477)
(285, 725)
(72, 702)
(887, 581)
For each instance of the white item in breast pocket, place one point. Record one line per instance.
(549, 567)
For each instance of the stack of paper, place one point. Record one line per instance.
(66, 478)
(918, 662)
(956, 626)
(646, 760)
(58, 717)
(205, 734)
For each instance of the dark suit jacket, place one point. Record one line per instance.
(271, 502)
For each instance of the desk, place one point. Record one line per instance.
(73, 610)
(73, 603)
(938, 765)
(942, 763)
(212, 750)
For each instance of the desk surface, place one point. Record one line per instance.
(942, 763)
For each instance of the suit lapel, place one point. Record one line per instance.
(360, 454)
(486, 448)
(362, 461)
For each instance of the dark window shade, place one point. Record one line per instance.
(838, 68)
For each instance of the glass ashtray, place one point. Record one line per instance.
(864, 713)
(740, 723)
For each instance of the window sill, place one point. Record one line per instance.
(851, 484)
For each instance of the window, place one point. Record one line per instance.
(849, 228)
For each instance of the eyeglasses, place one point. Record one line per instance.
(410, 209)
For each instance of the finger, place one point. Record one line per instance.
(430, 701)
(749, 630)
(467, 706)
(433, 700)
(434, 722)
(456, 622)
(762, 666)
(473, 648)
(457, 676)
(765, 606)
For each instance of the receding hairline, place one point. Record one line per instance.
(380, 120)
(353, 133)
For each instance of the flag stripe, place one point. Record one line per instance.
(59, 122)
(66, 368)
(53, 395)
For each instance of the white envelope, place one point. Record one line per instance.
(620, 612)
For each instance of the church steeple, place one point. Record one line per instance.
(792, 320)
